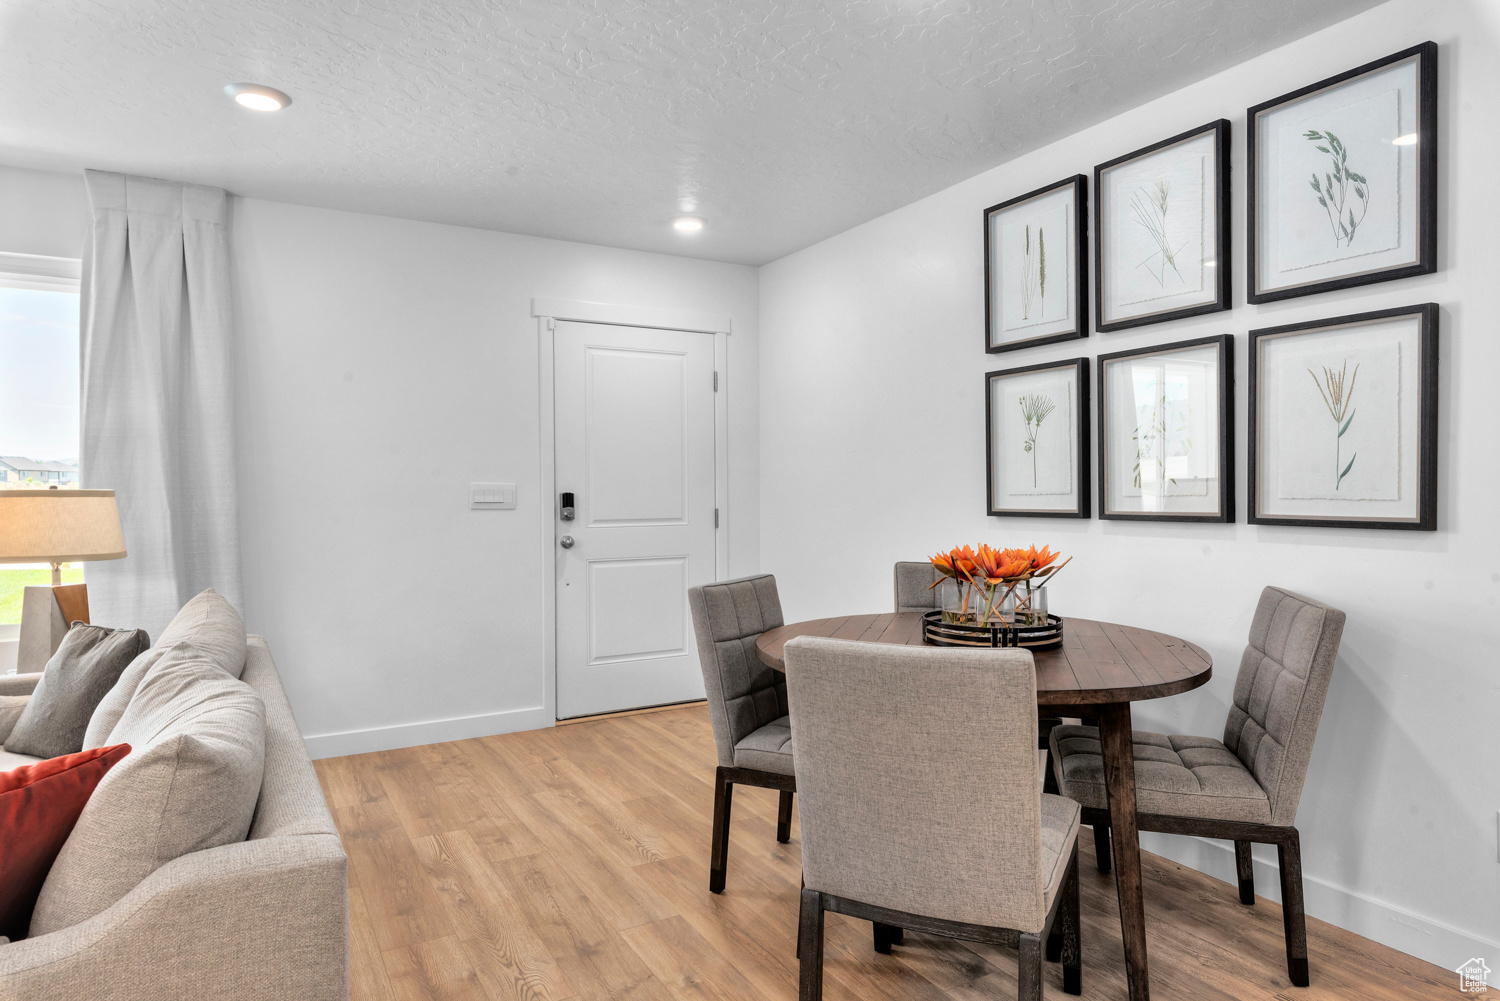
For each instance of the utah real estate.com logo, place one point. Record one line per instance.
(1474, 977)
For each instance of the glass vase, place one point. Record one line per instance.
(1033, 605)
(1002, 605)
(959, 600)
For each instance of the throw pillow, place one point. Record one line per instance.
(11, 707)
(79, 675)
(192, 783)
(212, 625)
(209, 623)
(39, 804)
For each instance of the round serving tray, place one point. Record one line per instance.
(936, 632)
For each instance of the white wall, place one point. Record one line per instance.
(386, 364)
(872, 451)
(42, 212)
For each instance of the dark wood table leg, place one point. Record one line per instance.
(1119, 778)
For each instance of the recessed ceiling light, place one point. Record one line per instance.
(687, 224)
(257, 98)
(1407, 140)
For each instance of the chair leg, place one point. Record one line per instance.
(1292, 912)
(1102, 857)
(1072, 918)
(887, 936)
(810, 947)
(718, 858)
(1029, 972)
(784, 818)
(801, 885)
(1244, 864)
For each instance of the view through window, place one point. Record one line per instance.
(38, 410)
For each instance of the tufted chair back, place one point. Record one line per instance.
(1279, 694)
(912, 583)
(743, 694)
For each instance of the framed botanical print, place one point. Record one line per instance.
(1166, 432)
(1035, 253)
(1037, 439)
(1343, 180)
(1343, 421)
(1161, 223)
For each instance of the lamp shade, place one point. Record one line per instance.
(59, 526)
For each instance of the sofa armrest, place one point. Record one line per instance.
(259, 919)
(11, 707)
(19, 684)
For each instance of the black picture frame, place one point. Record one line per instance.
(1222, 264)
(1080, 258)
(1225, 433)
(1427, 417)
(1426, 55)
(1080, 368)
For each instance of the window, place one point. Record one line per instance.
(38, 401)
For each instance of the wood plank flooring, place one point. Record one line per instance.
(573, 863)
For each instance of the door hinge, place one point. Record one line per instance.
(716, 517)
(716, 382)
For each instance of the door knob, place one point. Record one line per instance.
(566, 542)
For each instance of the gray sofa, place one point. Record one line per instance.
(264, 919)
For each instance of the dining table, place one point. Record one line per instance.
(1098, 670)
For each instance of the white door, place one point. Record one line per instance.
(634, 433)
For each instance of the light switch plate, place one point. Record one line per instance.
(492, 496)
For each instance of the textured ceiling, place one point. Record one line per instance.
(781, 123)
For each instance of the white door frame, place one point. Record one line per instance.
(548, 311)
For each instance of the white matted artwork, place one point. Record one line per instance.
(1161, 222)
(1344, 420)
(1165, 449)
(1036, 439)
(1342, 180)
(1034, 248)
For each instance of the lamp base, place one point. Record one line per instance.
(46, 615)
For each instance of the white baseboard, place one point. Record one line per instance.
(388, 738)
(1377, 920)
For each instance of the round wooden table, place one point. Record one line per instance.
(1101, 668)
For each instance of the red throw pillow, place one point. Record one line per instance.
(39, 804)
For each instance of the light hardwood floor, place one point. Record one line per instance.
(573, 863)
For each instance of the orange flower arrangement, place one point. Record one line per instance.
(987, 569)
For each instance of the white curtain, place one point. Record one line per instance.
(158, 395)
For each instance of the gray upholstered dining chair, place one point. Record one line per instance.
(914, 590)
(917, 789)
(746, 702)
(915, 593)
(1246, 787)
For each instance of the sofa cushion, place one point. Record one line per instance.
(85, 667)
(39, 804)
(209, 623)
(11, 707)
(212, 625)
(191, 784)
(9, 761)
